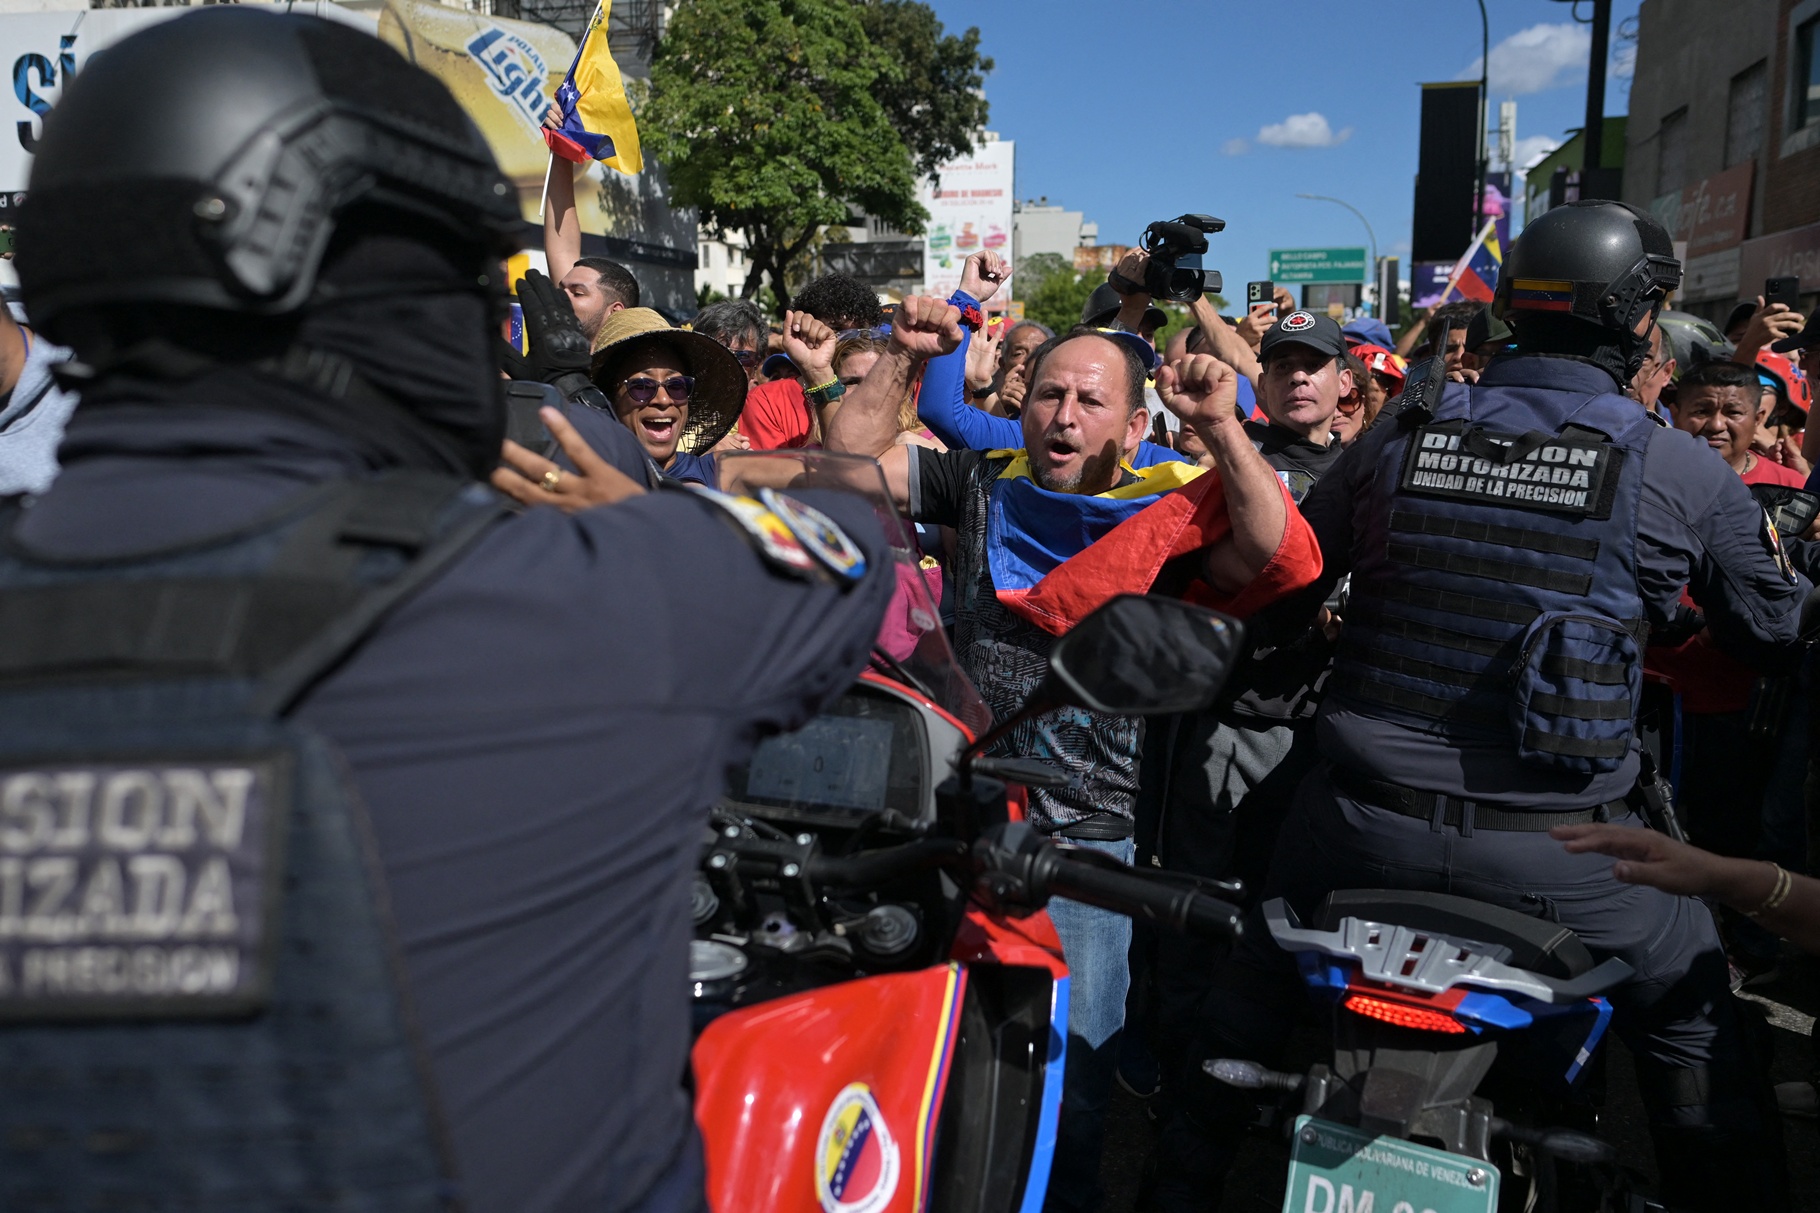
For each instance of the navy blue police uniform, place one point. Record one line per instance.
(536, 733)
(1509, 546)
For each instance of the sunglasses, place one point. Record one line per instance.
(643, 390)
(882, 330)
(746, 358)
(1351, 404)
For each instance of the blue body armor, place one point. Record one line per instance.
(200, 1005)
(1494, 593)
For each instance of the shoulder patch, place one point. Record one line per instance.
(777, 543)
(1772, 539)
(817, 532)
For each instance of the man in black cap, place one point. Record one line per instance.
(1305, 375)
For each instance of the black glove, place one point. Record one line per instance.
(558, 351)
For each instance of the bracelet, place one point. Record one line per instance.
(972, 317)
(826, 393)
(1784, 884)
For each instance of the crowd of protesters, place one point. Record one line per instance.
(973, 418)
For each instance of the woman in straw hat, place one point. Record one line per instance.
(678, 392)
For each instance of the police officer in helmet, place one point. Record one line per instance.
(1510, 545)
(347, 819)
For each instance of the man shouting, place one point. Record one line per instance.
(1046, 533)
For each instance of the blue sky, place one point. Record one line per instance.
(1148, 108)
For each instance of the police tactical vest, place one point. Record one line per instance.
(1494, 595)
(200, 1007)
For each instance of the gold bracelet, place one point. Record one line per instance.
(1777, 895)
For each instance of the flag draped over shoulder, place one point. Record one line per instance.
(1054, 557)
(597, 121)
(1475, 276)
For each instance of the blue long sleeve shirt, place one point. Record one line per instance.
(942, 406)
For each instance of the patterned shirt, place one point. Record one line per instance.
(1006, 656)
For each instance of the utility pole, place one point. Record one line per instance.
(1478, 197)
(1594, 134)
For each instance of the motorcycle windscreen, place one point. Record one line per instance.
(911, 647)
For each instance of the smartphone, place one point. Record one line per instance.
(1257, 293)
(1786, 291)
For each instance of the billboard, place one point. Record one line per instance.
(503, 72)
(970, 211)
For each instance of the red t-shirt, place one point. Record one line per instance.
(1708, 680)
(776, 416)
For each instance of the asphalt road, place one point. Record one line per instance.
(1791, 1000)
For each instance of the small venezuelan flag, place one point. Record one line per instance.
(1476, 275)
(1541, 295)
(597, 121)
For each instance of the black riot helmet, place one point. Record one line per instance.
(207, 161)
(1607, 264)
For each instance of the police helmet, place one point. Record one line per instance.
(207, 160)
(1606, 263)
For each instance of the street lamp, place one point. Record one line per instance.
(1373, 236)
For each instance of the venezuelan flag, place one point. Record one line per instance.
(1541, 295)
(1476, 275)
(597, 121)
(1054, 557)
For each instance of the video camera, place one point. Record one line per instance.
(1175, 247)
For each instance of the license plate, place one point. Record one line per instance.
(1336, 1169)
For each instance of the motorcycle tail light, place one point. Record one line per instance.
(1402, 1015)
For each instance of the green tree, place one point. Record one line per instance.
(1052, 292)
(935, 103)
(768, 117)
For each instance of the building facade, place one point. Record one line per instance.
(1724, 143)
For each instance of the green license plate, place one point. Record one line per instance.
(1336, 1169)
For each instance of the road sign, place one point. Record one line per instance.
(1318, 265)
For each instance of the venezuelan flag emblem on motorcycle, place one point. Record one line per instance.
(597, 121)
(857, 1163)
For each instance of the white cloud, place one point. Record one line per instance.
(1530, 149)
(1303, 130)
(1537, 59)
(1624, 62)
(1235, 147)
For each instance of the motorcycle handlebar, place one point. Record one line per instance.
(881, 867)
(1131, 893)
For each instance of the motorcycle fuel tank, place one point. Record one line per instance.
(828, 1100)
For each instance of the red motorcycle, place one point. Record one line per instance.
(881, 1003)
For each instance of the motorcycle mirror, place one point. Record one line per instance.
(1133, 656)
(1790, 509)
(1143, 656)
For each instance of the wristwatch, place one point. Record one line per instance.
(826, 393)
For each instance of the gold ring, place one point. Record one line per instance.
(550, 479)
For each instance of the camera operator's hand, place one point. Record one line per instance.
(1201, 390)
(558, 350)
(810, 345)
(984, 272)
(926, 328)
(1127, 277)
(528, 477)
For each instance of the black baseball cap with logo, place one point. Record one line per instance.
(1302, 327)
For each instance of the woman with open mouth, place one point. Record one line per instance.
(679, 392)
